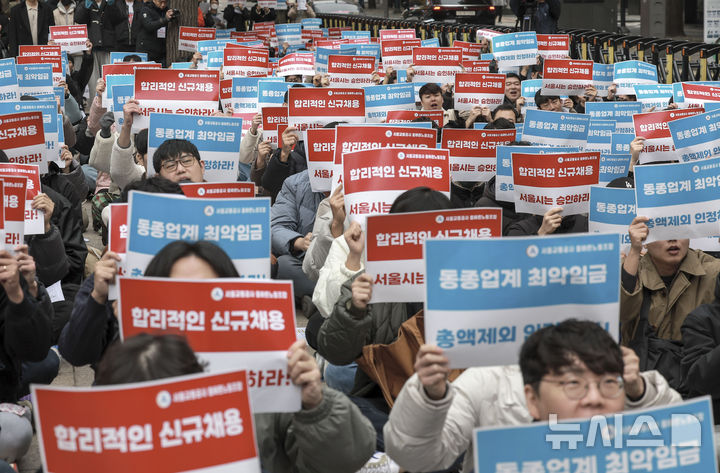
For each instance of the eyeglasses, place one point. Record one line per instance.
(186, 161)
(577, 388)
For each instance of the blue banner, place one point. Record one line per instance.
(654, 95)
(121, 94)
(696, 137)
(34, 77)
(677, 438)
(113, 80)
(613, 166)
(216, 138)
(602, 78)
(478, 290)
(627, 74)
(241, 227)
(430, 43)
(271, 92)
(621, 143)
(311, 23)
(379, 99)
(290, 33)
(556, 128)
(611, 211)
(9, 89)
(515, 49)
(600, 135)
(354, 34)
(119, 56)
(621, 112)
(529, 88)
(682, 200)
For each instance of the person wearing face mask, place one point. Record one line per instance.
(258, 14)
(236, 16)
(214, 16)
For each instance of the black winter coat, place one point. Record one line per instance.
(509, 215)
(531, 225)
(101, 21)
(701, 358)
(126, 34)
(19, 26)
(151, 20)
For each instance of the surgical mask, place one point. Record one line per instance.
(213, 7)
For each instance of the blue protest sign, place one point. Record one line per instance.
(611, 211)
(483, 297)
(271, 92)
(621, 112)
(620, 143)
(677, 438)
(34, 78)
(354, 34)
(9, 88)
(655, 96)
(613, 166)
(311, 23)
(430, 43)
(696, 137)
(528, 89)
(627, 74)
(600, 135)
(50, 124)
(515, 49)
(217, 139)
(682, 200)
(290, 33)
(602, 78)
(379, 99)
(121, 94)
(555, 128)
(241, 227)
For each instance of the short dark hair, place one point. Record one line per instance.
(505, 107)
(553, 348)
(141, 141)
(542, 99)
(500, 124)
(132, 58)
(173, 148)
(146, 357)
(508, 75)
(156, 184)
(420, 199)
(431, 88)
(162, 263)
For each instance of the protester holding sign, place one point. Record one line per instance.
(662, 286)
(574, 370)
(328, 435)
(353, 323)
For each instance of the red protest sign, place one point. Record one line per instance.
(566, 76)
(310, 107)
(479, 89)
(398, 53)
(320, 150)
(406, 116)
(397, 34)
(192, 422)
(373, 179)
(472, 152)
(272, 117)
(695, 95)
(296, 64)
(653, 126)
(350, 71)
(476, 66)
(553, 46)
(118, 229)
(22, 137)
(34, 219)
(190, 35)
(437, 65)
(218, 190)
(544, 181)
(394, 246)
(43, 55)
(14, 209)
(71, 38)
(228, 322)
(126, 68)
(245, 62)
(470, 51)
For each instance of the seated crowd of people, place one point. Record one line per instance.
(574, 369)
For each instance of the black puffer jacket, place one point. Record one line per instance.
(24, 336)
(531, 225)
(701, 348)
(101, 21)
(151, 19)
(509, 215)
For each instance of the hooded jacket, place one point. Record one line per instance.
(64, 15)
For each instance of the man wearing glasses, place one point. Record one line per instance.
(178, 161)
(573, 369)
